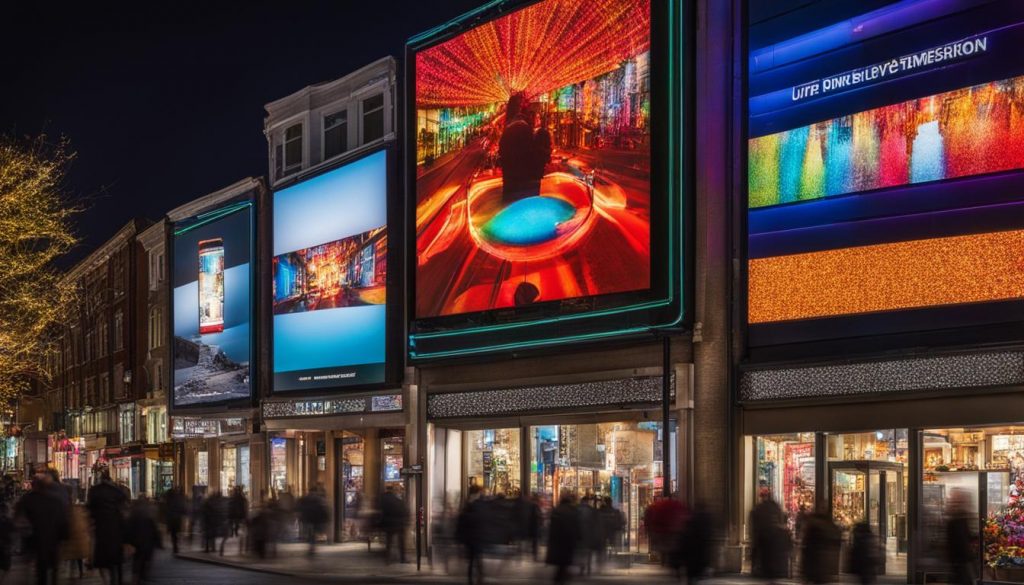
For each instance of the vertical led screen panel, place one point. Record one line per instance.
(536, 185)
(212, 296)
(885, 158)
(330, 268)
(533, 154)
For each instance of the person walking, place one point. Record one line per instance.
(313, 516)
(77, 548)
(770, 539)
(563, 537)
(46, 517)
(175, 510)
(864, 554)
(820, 556)
(106, 505)
(143, 535)
(469, 532)
(6, 541)
(959, 539)
(215, 519)
(393, 523)
(696, 544)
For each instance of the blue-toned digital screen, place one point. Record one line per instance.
(330, 278)
(212, 308)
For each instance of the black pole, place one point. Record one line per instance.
(666, 395)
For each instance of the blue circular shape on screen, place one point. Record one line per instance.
(528, 221)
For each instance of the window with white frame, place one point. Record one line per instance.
(373, 118)
(335, 133)
(156, 329)
(127, 423)
(156, 269)
(288, 152)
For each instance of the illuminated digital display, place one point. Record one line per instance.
(212, 311)
(330, 278)
(885, 154)
(533, 159)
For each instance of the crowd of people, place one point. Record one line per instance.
(818, 541)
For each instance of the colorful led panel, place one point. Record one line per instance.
(329, 272)
(885, 158)
(212, 296)
(533, 159)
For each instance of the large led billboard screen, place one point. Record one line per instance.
(533, 158)
(885, 150)
(330, 274)
(212, 306)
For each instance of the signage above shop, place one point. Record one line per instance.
(186, 427)
(332, 406)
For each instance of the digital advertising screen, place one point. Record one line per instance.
(533, 158)
(212, 306)
(330, 268)
(885, 150)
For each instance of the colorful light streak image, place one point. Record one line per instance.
(350, 272)
(961, 133)
(533, 158)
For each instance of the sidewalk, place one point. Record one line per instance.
(351, 563)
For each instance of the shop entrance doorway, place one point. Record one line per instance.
(350, 455)
(872, 492)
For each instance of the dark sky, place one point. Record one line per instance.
(163, 101)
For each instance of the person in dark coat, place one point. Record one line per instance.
(959, 538)
(238, 510)
(106, 505)
(614, 522)
(592, 535)
(530, 518)
(864, 554)
(175, 510)
(313, 516)
(563, 537)
(47, 519)
(6, 541)
(143, 535)
(469, 532)
(770, 540)
(392, 522)
(821, 540)
(696, 544)
(215, 520)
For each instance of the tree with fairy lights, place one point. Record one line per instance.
(35, 229)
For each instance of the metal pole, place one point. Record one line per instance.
(666, 383)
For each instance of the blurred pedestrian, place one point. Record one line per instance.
(530, 516)
(106, 505)
(469, 532)
(563, 537)
(959, 538)
(6, 540)
(174, 514)
(664, 520)
(393, 523)
(143, 535)
(864, 554)
(238, 509)
(696, 544)
(195, 521)
(313, 516)
(77, 547)
(592, 536)
(770, 540)
(820, 556)
(46, 517)
(614, 522)
(215, 523)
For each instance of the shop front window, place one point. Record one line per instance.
(353, 466)
(620, 462)
(202, 468)
(278, 464)
(228, 468)
(868, 484)
(786, 473)
(979, 472)
(493, 460)
(392, 448)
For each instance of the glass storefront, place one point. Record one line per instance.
(352, 469)
(493, 461)
(278, 465)
(392, 450)
(786, 472)
(228, 468)
(981, 472)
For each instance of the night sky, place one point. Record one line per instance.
(163, 102)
